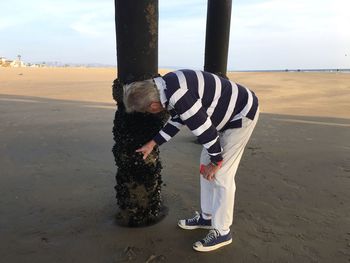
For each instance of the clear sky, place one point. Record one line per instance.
(265, 34)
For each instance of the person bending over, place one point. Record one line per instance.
(222, 114)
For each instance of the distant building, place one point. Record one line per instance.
(17, 63)
(2, 61)
(5, 62)
(11, 63)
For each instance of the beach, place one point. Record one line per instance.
(57, 177)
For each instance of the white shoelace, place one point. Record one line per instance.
(212, 235)
(195, 218)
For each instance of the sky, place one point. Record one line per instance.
(264, 34)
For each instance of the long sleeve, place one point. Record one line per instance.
(197, 120)
(206, 104)
(170, 129)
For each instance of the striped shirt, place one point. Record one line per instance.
(206, 104)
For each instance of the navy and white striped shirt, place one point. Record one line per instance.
(204, 102)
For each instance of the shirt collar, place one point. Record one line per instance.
(161, 86)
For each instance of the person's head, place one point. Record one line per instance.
(142, 96)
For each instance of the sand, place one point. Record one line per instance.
(300, 93)
(57, 173)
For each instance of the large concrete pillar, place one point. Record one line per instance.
(138, 188)
(217, 36)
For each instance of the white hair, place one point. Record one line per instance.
(139, 95)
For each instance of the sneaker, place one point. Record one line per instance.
(196, 222)
(212, 241)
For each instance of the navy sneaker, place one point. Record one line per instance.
(196, 222)
(213, 241)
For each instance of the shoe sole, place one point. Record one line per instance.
(207, 249)
(194, 227)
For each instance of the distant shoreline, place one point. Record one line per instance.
(295, 70)
(178, 68)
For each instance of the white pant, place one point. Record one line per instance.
(217, 196)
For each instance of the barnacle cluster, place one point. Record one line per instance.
(138, 188)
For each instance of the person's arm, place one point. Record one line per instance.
(170, 129)
(197, 120)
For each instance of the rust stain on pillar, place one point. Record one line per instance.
(152, 24)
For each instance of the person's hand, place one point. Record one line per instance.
(209, 171)
(147, 148)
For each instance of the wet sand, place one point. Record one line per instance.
(57, 174)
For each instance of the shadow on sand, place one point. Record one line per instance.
(57, 199)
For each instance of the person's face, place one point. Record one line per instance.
(155, 107)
